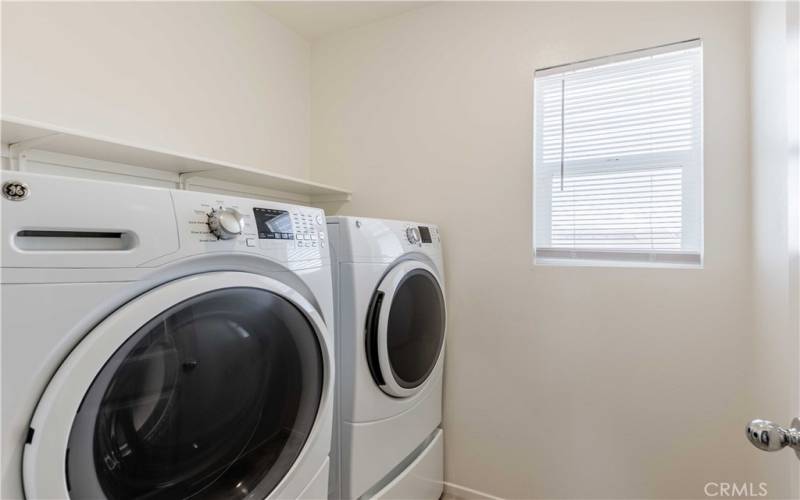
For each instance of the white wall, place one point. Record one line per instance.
(775, 232)
(219, 80)
(560, 382)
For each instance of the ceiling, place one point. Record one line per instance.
(313, 20)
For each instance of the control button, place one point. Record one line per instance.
(313, 236)
(225, 223)
(322, 236)
(271, 236)
(320, 220)
(322, 244)
(313, 243)
(250, 242)
(413, 236)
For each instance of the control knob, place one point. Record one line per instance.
(412, 234)
(225, 223)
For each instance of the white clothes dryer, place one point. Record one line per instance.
(162, 344)
(391, 317)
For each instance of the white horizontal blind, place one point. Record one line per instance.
(618, 157)
(636, 209)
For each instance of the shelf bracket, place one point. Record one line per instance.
(17, 150)
(183, 177)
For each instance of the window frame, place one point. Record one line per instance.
(588, 257)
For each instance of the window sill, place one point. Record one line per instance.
(560, 257)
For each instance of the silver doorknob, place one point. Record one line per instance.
(768, 436)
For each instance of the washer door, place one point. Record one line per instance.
(206, 387)
(405, 328)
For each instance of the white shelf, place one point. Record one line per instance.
(21, 135)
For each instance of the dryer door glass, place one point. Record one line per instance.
(415, 330)
(214, 398)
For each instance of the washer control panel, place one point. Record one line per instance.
(215, 222)
(273, 224)
(309, 229)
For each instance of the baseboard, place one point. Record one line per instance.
(452, 490)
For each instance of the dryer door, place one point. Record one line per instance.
(206, 387)
(405, 328)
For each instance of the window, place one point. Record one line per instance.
(618, 159)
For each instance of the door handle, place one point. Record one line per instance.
(768, 436)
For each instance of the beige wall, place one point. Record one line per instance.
(220, 80)
(560, 382)
(775, 232)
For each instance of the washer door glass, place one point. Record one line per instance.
(415, 330)
(214, 398)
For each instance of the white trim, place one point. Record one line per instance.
(622, 56)
(617, 258)
(43, 459)
(388, 286)
(461, 491)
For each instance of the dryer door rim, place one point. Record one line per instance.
(43, 472)
(389, 286)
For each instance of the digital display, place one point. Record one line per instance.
(425, 234)
(273, 224)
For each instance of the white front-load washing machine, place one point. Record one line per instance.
(162, 344)
(390, 335)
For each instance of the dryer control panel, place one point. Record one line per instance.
(422, 235)
(362, 239)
